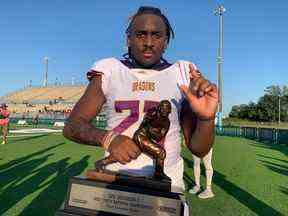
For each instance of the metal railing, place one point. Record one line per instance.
(272, 135)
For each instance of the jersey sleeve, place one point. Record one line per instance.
(102, 68)
(183, 75)
(183, 72)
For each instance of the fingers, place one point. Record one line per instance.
(204, 87)
(199, 86)
(191, 97)
(133, 150)
(193, 72)
(124, 150)
(124, 159)
(120, 159)
(213, 91)
(128, 155)
(133, 154)
(184, 89)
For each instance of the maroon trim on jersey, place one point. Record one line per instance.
(92, 73)
(129, 62)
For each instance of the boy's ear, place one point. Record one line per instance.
(128, 42)
(166, 44)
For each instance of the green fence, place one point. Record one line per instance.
(271, 135)
(41, 121)
(282, 136)
(98, 121)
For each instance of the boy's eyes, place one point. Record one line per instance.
(156, 35)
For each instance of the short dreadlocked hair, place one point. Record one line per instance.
(154, 11)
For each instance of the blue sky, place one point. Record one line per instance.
(73, 34)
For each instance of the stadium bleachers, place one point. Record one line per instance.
(31, 100)
(35, 94)
(22, 108)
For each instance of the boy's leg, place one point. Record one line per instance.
(207, 160)
(196, 169)
(4, 133)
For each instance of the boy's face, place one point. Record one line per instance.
(147, 40)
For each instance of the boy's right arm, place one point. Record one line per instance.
(80, 129)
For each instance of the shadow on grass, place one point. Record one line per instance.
(284, 190)
(279, 168)
(51, 198)
(24, 185)
(268, 157)
(276, 167)
(15, 180)
(22, 159)
(17, 173)
(244, 197)
(30, 137)
(278, 147)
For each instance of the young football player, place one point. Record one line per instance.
(131, 86)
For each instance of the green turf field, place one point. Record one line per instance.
(250, 178)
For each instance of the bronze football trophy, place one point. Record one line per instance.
(148, 137)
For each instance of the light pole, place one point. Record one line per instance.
(279, 107)
(219, 11)
(45, 82)
(73, 81)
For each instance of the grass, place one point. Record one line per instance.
(250, 178)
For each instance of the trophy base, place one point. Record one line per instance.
(93, 197)
(130, 180)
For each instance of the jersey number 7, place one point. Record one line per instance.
(134, 107)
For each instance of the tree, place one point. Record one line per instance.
(267, 107)
(273, 90)
(235, 111)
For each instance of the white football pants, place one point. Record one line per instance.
(207, 160)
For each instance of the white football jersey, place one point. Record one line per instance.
(130, 93)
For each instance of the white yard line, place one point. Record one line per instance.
(35, 131)
(24, 135)
(31, 132)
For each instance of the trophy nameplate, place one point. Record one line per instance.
(90, 197)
